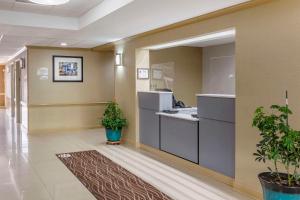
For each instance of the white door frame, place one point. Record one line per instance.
(17, 85)
(12, 89)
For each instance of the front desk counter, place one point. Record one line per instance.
(204, 135)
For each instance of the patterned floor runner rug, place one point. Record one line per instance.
(107, 180)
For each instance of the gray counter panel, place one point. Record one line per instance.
(217, 146)
(217, 108)
(149, 128)
(155, 101)
(149, 104)
(180, 137)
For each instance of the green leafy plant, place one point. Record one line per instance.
(113, 117)
(280, 144)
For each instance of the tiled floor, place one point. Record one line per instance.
(29, 169)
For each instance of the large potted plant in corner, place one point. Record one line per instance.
(280, 147)
(113, 121)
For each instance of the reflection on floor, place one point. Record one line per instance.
(29, 169)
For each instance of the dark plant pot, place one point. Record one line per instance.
(113, 135)
(274, 191)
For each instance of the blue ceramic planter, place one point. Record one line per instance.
(277, 192)
(113, 135)
(272, 195)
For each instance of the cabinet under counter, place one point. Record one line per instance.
(217, 146)
(179, 136)
(216, 114)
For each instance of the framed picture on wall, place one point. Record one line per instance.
(157, 74)
(67, 69)
(143, 73)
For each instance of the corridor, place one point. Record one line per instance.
(29, 169)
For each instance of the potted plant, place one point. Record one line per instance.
(280, 146)
(113, 121)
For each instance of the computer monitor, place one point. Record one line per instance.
(175, 103)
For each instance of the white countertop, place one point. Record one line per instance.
(184, 113)
(216, 95)
(156, 92)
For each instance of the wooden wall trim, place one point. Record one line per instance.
(218, 13)
(60, 48)
(62, 130)
(67, 104)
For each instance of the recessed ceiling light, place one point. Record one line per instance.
(63, 44)
(50, 2)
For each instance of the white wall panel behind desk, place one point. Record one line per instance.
(219, 69)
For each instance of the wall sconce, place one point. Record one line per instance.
(119, 60)
(23, 63)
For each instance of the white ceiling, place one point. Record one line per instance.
(88, 23)
(74, 8)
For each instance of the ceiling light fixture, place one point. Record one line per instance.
(202, 38)
(50, 2)
(63, 44)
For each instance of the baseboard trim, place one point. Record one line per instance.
(242, 189)
(129, 142)
(197, 169)
(62, 130)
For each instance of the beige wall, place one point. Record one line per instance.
(50, 103)
(143, 61)
(267, 63)
(187, 70)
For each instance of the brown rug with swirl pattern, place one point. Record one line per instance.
(107, 180)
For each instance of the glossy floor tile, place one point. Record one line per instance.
(29, 169)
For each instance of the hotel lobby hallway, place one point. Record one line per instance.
(30, 170)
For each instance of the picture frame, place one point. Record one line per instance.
(143, 73)
(157, 74)
(67, 68)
